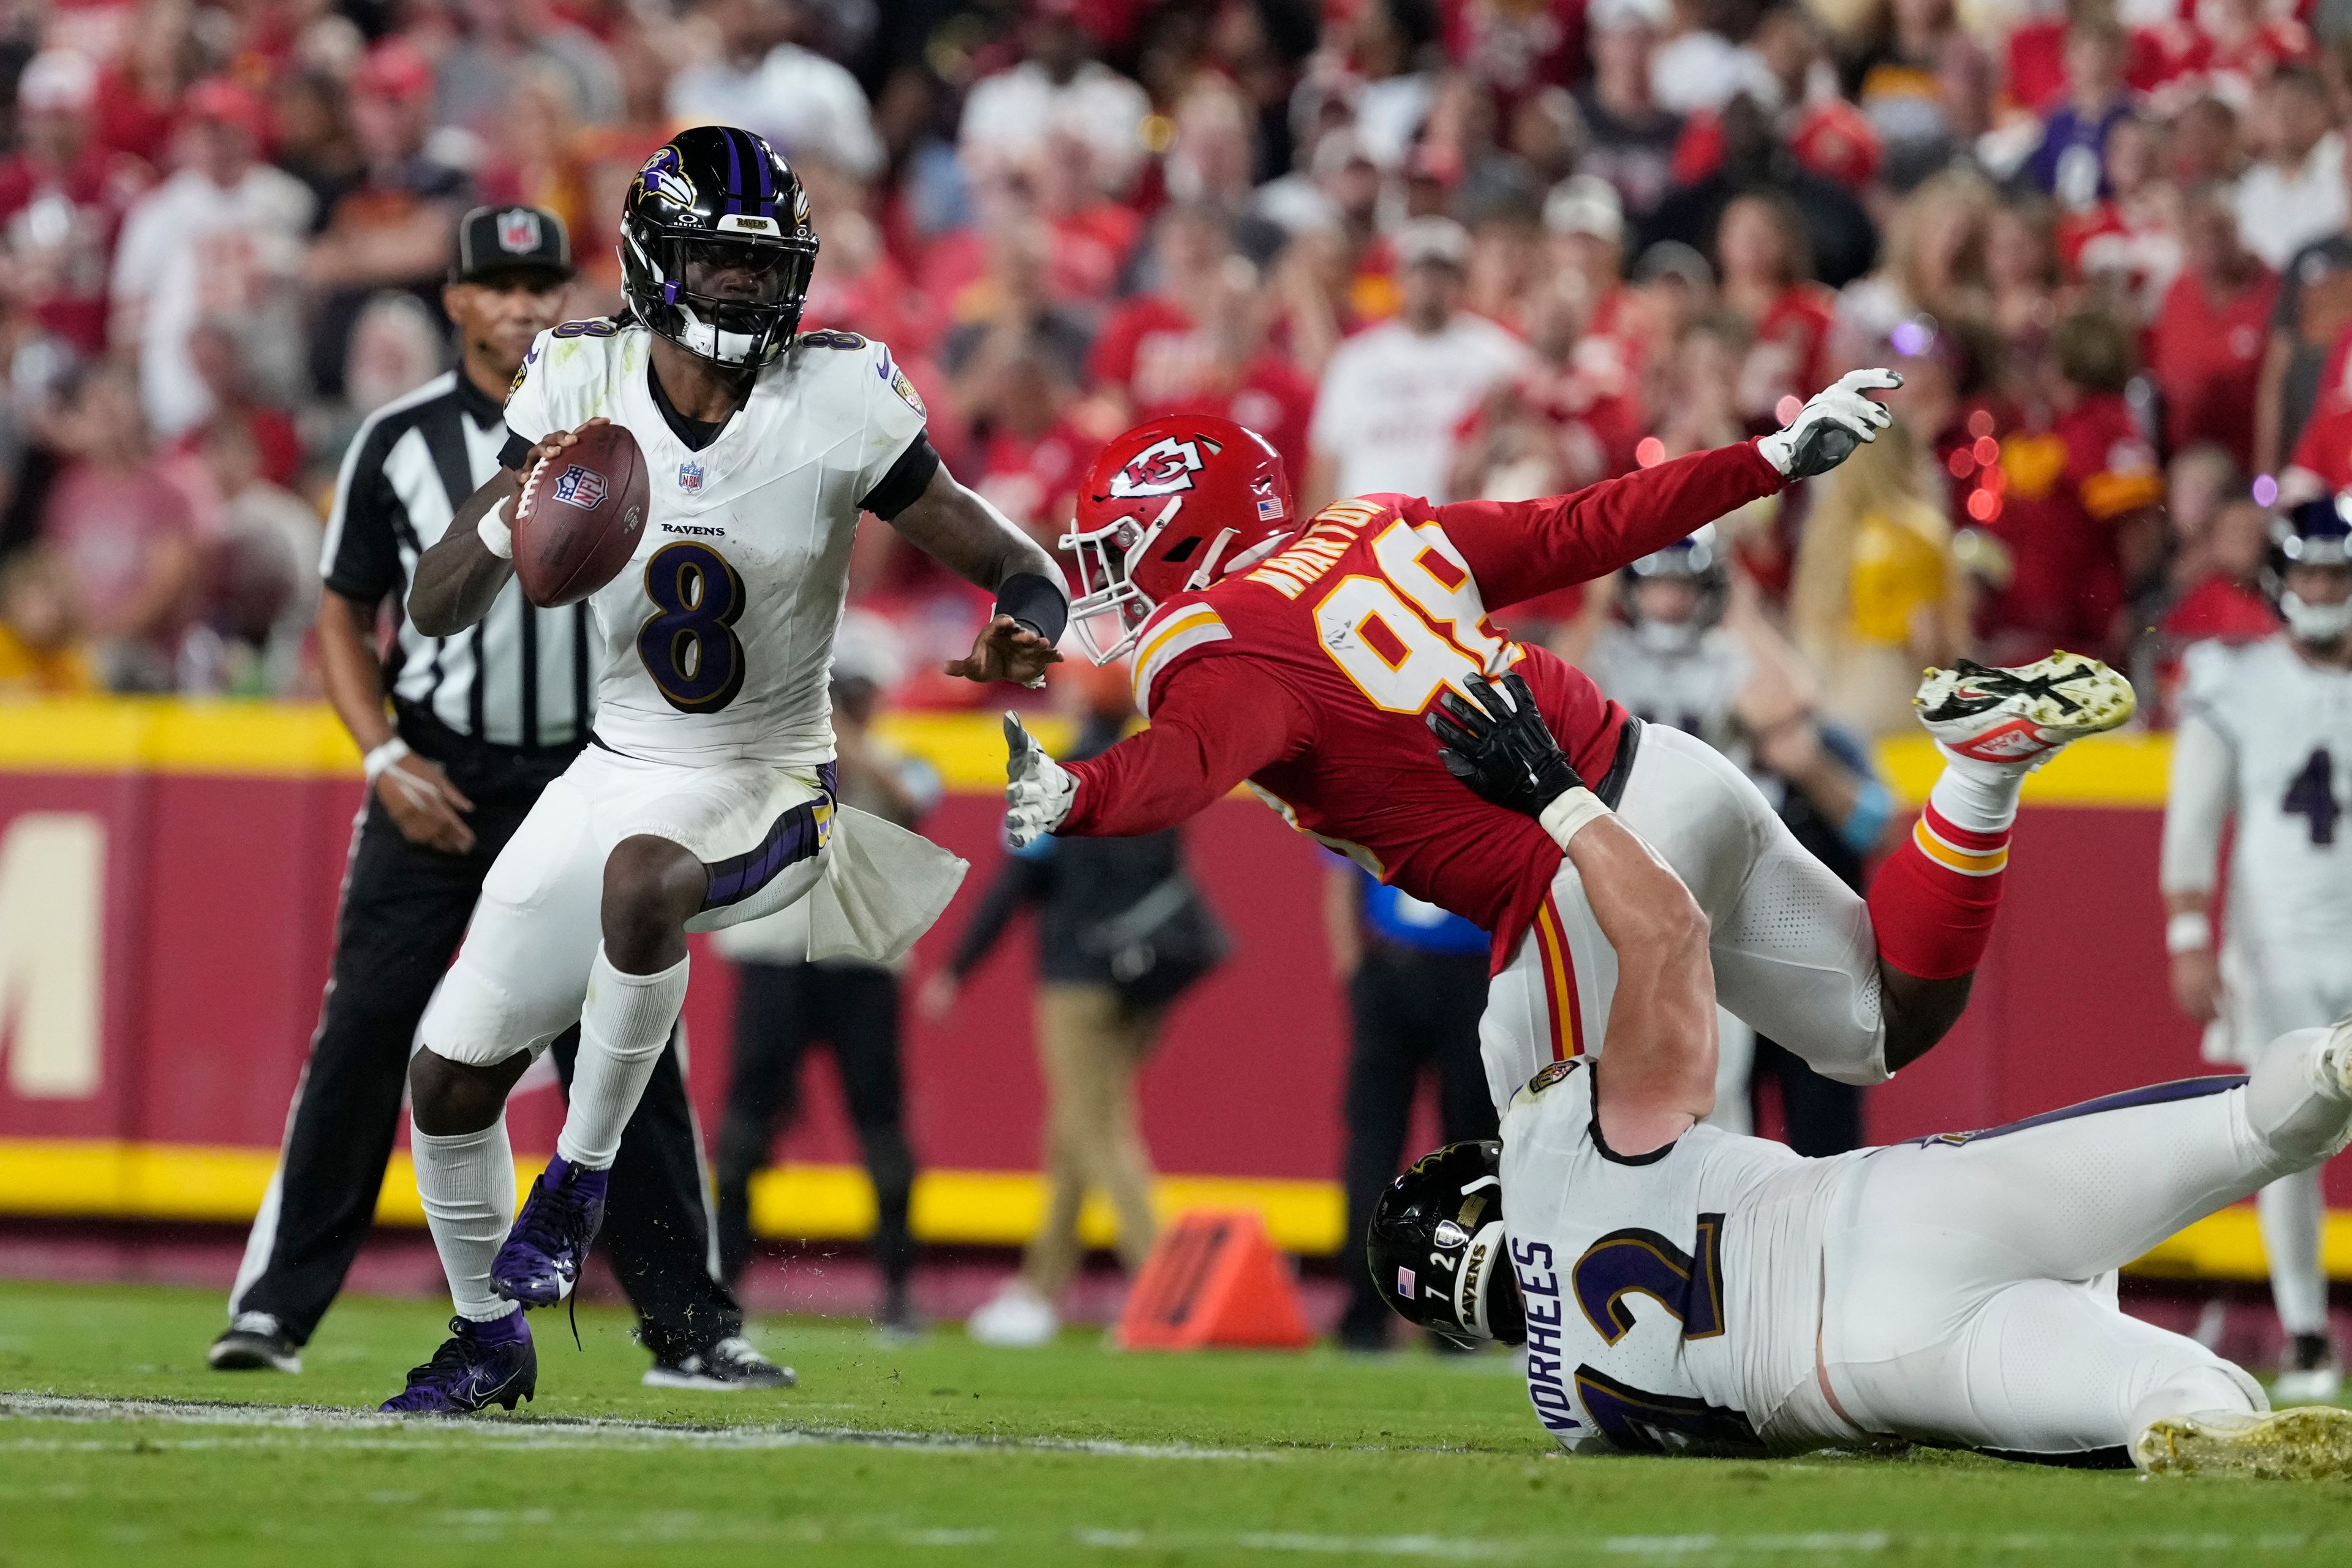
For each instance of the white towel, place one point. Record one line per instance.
(883, 888)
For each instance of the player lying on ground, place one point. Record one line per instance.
(1683, 1289)
(707, 796)
(2263, 728)
(1303, 660)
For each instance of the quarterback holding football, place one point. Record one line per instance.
(706, 797)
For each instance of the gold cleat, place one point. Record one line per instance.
(2309, 1443)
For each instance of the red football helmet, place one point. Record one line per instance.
(1172, 505)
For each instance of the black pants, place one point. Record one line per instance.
(780, 1011)
(404, 909)
(1413, 1013)
(1822, 1116)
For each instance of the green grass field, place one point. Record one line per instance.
(944, 1452)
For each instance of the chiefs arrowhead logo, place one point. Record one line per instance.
(1162, 468)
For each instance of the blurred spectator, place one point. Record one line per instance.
(393, 230)
(1209, 164)
(397, 347)
(1012, 300)
(2071, 163)
(1121, 931)
(1839, 234)
(785, 1004)
(1566, 423)
(1898, 70)
(218, 355)
(62, 197)
(262, 543)
(1391, 57)
(139, 93)
(41, 649)
(1392, 395)
(1030, 455)
(2315, 309)
(2128, 242)
(2022, 275)
(1767, 284)
(219, 241)
(1057, 87)
(2222, 593)
(1631, 139)
(2294, 194)
(2204, 145)
(2078, 518)
(315, 142)
(1874, 596)
(1697, 68)
(504, 44)
(759, 77)
(2205, 347)
(122, 531)
(1416, 983)
(1933, 262)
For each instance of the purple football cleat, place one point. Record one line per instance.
(541, 1259)
(479, 1365)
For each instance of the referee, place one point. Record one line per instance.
(479, 723)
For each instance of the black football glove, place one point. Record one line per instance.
(1501, 747)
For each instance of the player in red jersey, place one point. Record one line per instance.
(1304, 659)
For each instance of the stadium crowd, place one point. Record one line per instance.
(1456, 247)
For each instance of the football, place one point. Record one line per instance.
(579, 517)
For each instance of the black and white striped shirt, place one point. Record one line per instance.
(520, 677)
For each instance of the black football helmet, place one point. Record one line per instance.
(717, 248)
(1436, 1251)
(2317, 533)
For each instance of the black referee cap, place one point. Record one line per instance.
(495, 240)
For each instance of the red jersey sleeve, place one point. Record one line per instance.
(1215, 723)
(1518, 550)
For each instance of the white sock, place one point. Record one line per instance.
(466, 1181)
(2291, 1209)
(623, 1031)
(1975, 795)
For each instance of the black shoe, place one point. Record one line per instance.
(726, 1367)
(899, 1323)
(254, 1344)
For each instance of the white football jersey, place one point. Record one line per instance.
(1691, 688)
(1671, 1299)
(715, 641)
(2289, 726)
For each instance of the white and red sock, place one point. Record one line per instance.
(1933, 903)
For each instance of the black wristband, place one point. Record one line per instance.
(1036, 602)
(515, 455)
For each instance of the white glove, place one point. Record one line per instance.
(1038, 798)
(1826, 431)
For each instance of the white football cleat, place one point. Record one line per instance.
(2308, 1385)
(2023, 715)
(1018, 1319)
(2311, 1442)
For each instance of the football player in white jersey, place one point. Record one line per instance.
(1695, 651)
(707, 796)
(1683, 1289)
(2265, 738)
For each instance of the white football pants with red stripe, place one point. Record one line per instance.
(1793, 948)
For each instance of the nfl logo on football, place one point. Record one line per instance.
(583, 487)
(690, 477)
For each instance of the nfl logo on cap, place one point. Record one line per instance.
(690, 477)
(518, 231)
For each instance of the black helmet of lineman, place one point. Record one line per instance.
(1436, 1251)
(1699, 559)
(716, 245)
(2317, 533)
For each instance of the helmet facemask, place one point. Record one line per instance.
(1107, 557)
(732, 301)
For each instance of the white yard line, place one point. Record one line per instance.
(570, 1430)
